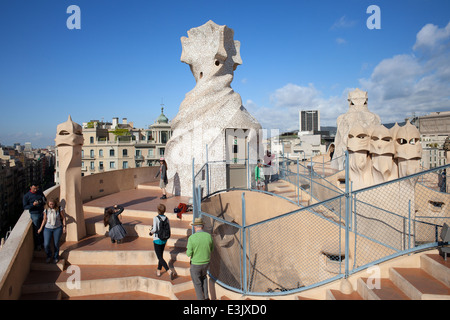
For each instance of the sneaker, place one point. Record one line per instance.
(158, 273)
(163, 197)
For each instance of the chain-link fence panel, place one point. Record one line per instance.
(226, 264)
(286, 254)
(397, 216)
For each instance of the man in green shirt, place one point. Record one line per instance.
(199, 248)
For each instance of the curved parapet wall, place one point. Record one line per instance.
(17, 253)
(259, 206)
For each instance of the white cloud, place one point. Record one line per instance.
(343, 22)
(430, 36)
(341, 41)
(398, 86)
(286, 102)
(418, 83)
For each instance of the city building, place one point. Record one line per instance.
(309, 120)
(114, 145)
(434, 129)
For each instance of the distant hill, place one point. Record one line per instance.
(333, 130)
(390, 125)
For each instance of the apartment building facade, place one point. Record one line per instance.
(115, 146)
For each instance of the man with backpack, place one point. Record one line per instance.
(161, 233)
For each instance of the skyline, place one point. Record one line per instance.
(124, 61)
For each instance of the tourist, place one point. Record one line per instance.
(111, 219)
(268, 169)
(199, 248)
(163, 177)
(54, 225)
(259, 175)
(159, 242)
(443, 181)
(34, 201)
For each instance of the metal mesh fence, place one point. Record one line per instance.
(306, 247)
(397, 216)
(286, 254)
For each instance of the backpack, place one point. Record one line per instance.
(164, 229)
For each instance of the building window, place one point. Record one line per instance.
(150, 152)
(125, 165)
(112, 165)
(111, 153)
(100, 165)
(91, 139)
(161, 152)
(92, 153)
(82, 164)
(92, 165)
(138, 152)
(100, 153)
(125, 153)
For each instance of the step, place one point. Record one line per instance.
(283, 188)
(105, 279)
(52, 295)
(418, 284)
(39, 264)
(338, 295)
(140, 227)
(149, 186)
(98, 249)
(437, 267)
(387, 290)
(186, 295)
(91, 210)
(130, 295)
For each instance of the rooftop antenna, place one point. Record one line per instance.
(162, 105)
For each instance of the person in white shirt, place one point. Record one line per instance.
(53, 225)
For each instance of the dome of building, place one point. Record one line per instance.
(162, 118)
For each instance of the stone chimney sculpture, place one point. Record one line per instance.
(382, 150)
(209, 109)
(358, 113)
(360, 166)
(69, 140)
(408, 150)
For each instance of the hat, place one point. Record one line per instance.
(161, 159)
(197, 222)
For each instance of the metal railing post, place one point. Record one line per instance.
(194, 205)
(249, 182)
(311, 169)
(244, 246)
(207, 172)
(298, 181)
(409, 224)
(347, 215)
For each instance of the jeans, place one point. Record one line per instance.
(56, 233)
(36, 218)
(159, 250)
(200, 280)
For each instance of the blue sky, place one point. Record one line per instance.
(125, 60)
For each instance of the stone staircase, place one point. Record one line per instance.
(95, 268)
(429, 282)
(289, 191)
